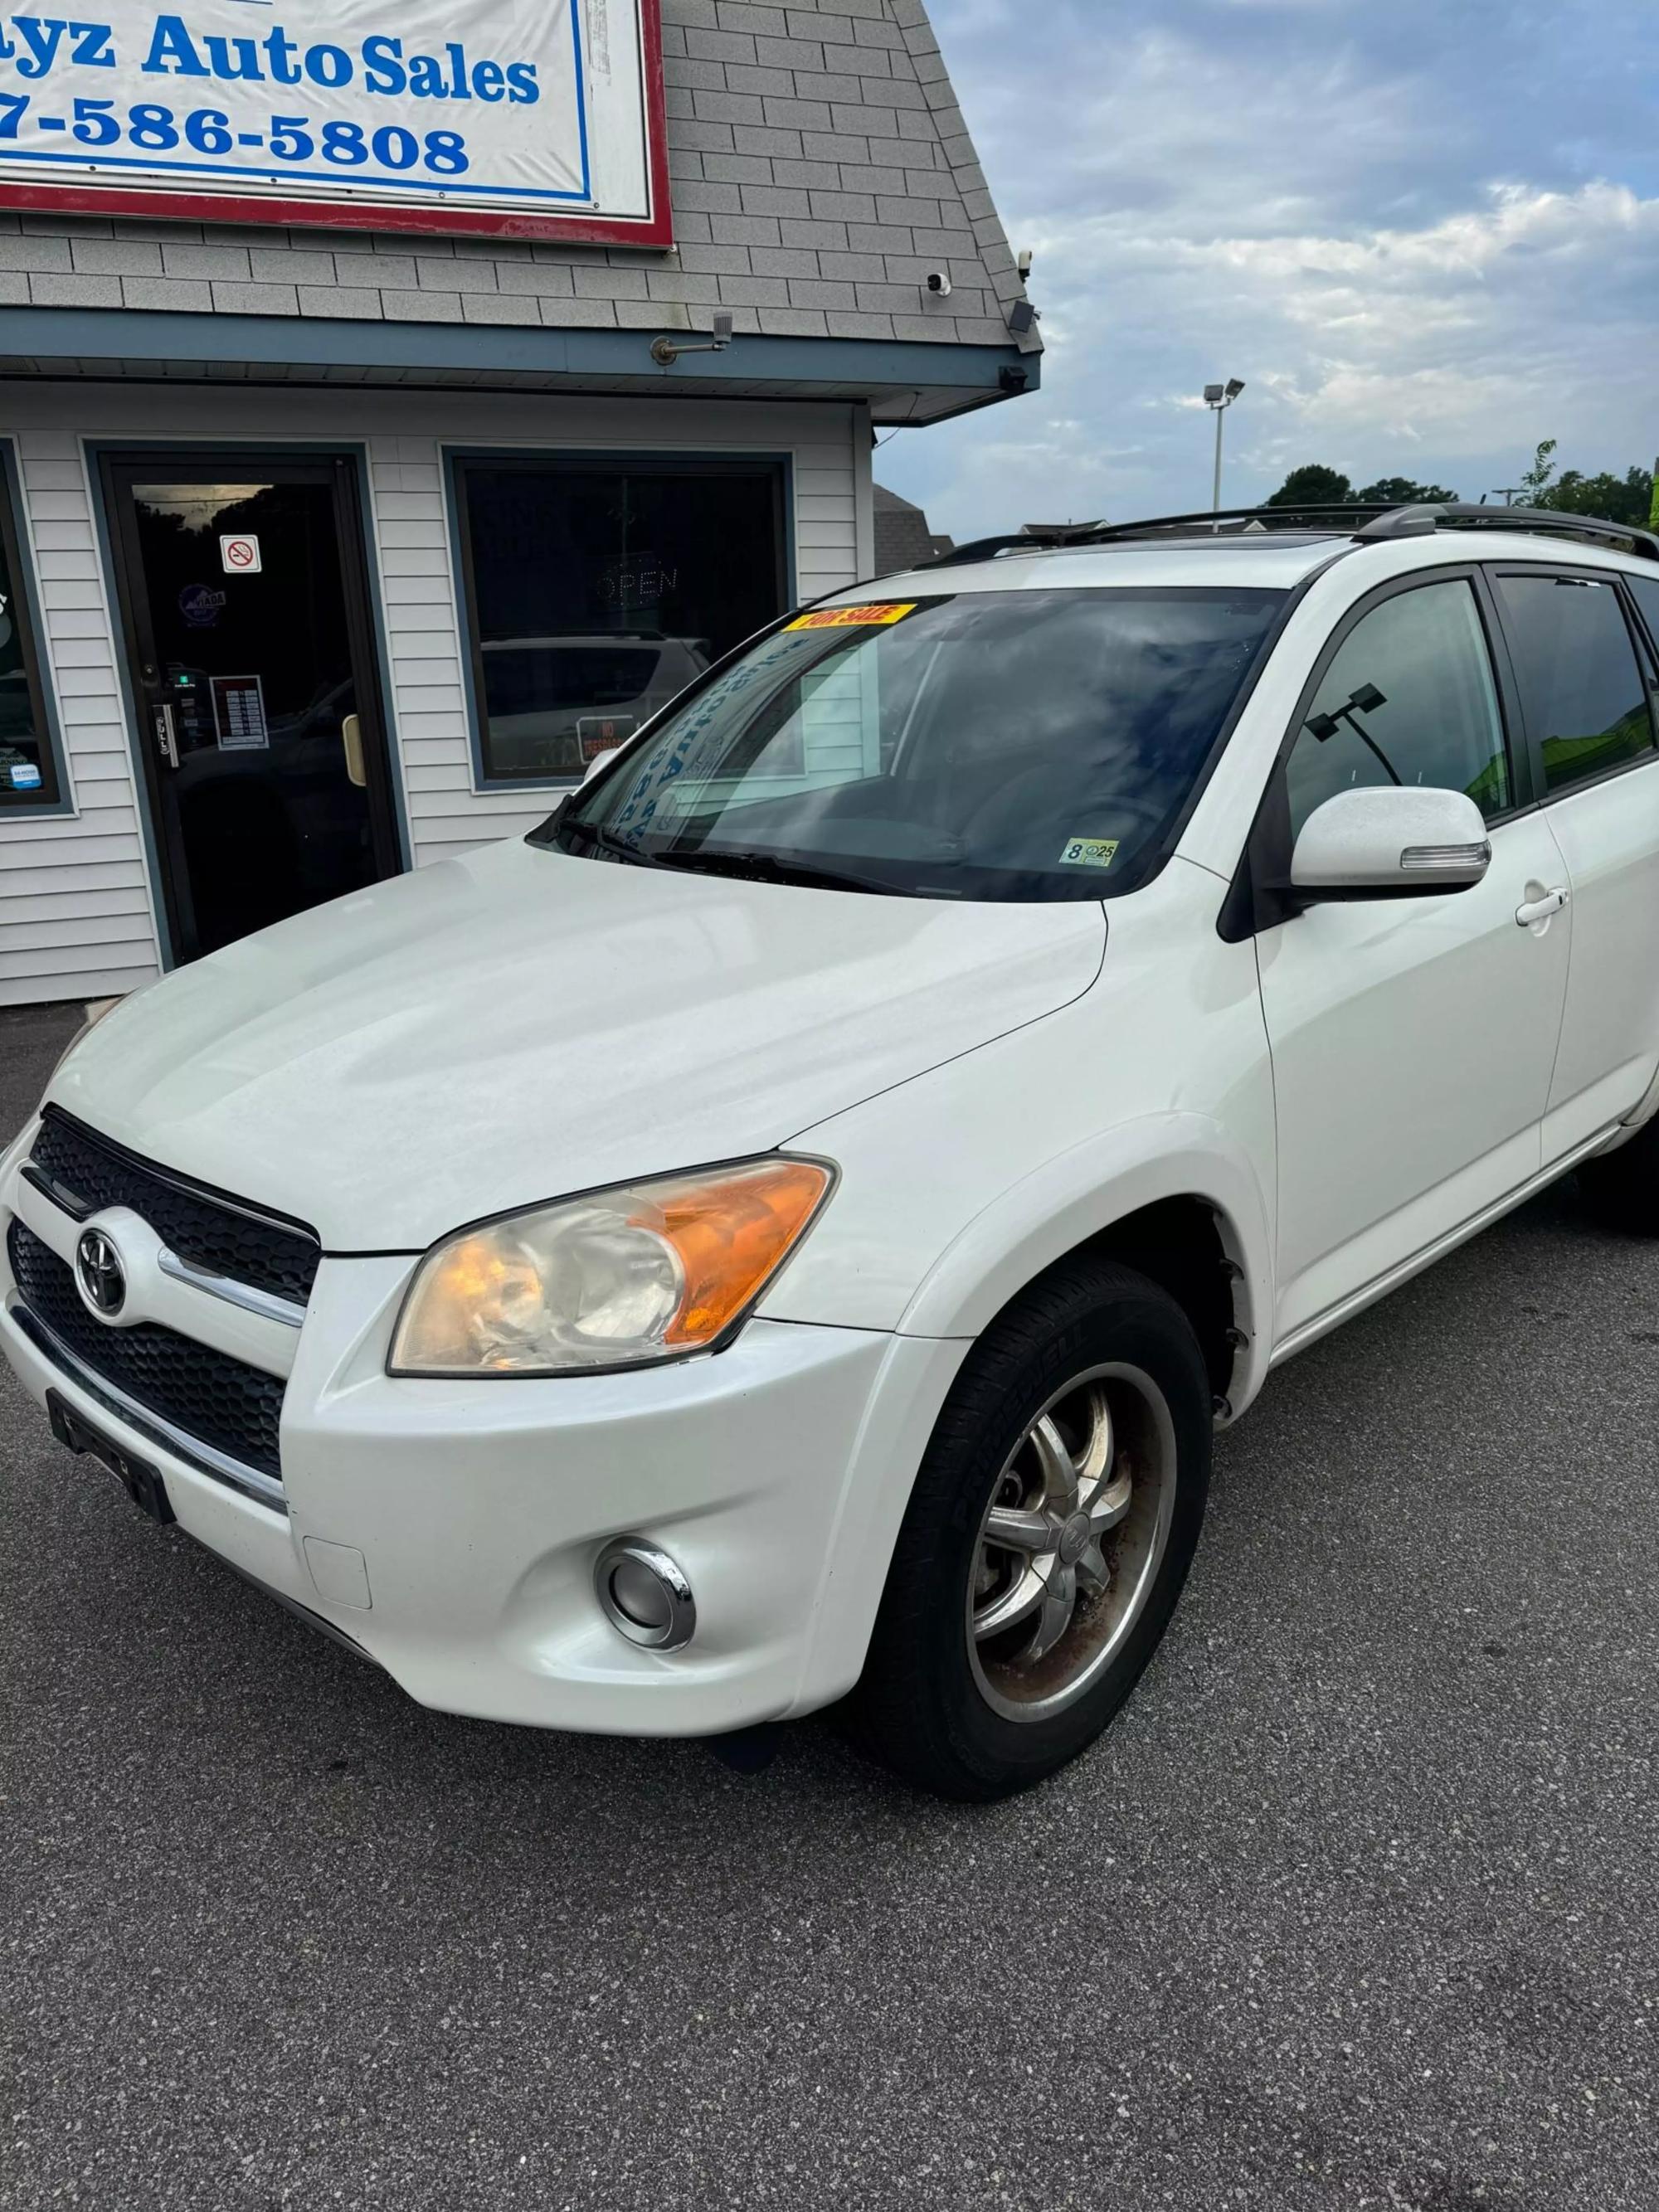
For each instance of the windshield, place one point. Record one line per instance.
(1016, 745)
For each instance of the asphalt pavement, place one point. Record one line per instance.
(1357, 1905)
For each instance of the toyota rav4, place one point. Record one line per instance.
(786, 1231)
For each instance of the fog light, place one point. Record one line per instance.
(645, 1597)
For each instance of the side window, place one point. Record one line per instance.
(1410, 698)
(1585, 699)
(28, 772)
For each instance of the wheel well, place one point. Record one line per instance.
(1177, 1243)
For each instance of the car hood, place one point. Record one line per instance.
(519, 1023)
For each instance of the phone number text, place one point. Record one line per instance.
(149, 128)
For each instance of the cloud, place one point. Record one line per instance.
(1426, 237)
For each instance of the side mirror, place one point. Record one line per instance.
(1391, 839)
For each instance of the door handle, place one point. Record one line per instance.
(351, 737)
(167, 743)
(1540, 909)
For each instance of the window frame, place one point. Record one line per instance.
(1646, 669)
(566, 461)
(1647, 625)
(1260, 895)
(54, 798)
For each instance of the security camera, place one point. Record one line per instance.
(1023, 263)
(939, 282)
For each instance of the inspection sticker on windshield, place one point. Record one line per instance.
(852, 618)
(1090, 852)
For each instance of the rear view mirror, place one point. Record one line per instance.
(1393, 838)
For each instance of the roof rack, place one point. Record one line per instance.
(1366, 524)
(1029, 540)
(1464, 514)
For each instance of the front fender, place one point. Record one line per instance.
(1087, 1189)
(1034, 1222)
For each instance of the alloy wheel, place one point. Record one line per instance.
(1071, 1542)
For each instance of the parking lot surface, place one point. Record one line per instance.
(1357, 1905)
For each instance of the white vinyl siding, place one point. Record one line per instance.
(75, 913)
(75, 910)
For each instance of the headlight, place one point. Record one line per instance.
(650, 1270)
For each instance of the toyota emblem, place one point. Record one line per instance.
(99, 1272)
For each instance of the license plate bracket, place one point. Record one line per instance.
(142, 1482)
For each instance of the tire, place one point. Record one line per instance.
(949, 1702)
(1621, 1190)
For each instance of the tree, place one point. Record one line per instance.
(1631, 499)
(1627, 499)
(1400, 491)
(1313, 486)
(1533, 484)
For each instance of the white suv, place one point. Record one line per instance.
(789, 1227)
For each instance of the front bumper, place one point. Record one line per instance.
(449, 1528)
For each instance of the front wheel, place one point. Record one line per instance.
(1050, 1531)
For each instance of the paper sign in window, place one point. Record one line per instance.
(239, 713)
(852, 618)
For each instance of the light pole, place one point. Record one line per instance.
(1220, 397)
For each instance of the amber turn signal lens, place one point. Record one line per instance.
(731, 1233)
(614, 1279)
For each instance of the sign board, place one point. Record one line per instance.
(240, 555)
(522, 118)
(239, 713)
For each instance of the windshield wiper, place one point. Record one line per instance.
(763, 868)
(750, 868)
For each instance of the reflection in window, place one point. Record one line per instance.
(598, 591)
(1409, 699)
(1585, 699)
(28, 775)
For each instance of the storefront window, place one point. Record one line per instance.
(597, 590)
(28, 772)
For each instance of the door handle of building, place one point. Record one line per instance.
(1540, 909)
(351, 737)
(167, 742)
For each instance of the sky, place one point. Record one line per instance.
(1426, 232)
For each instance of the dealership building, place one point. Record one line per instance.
(398, 407)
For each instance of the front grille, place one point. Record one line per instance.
(209, 1395)
(200, 1226)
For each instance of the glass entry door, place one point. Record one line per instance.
(248, 638)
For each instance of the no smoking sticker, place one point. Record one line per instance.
(240, 555)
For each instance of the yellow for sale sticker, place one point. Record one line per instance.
(852, 618)
(1090, 852)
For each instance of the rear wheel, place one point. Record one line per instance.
(1621, 1189)
(1053, 1523)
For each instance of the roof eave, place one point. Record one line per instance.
(901, 380)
